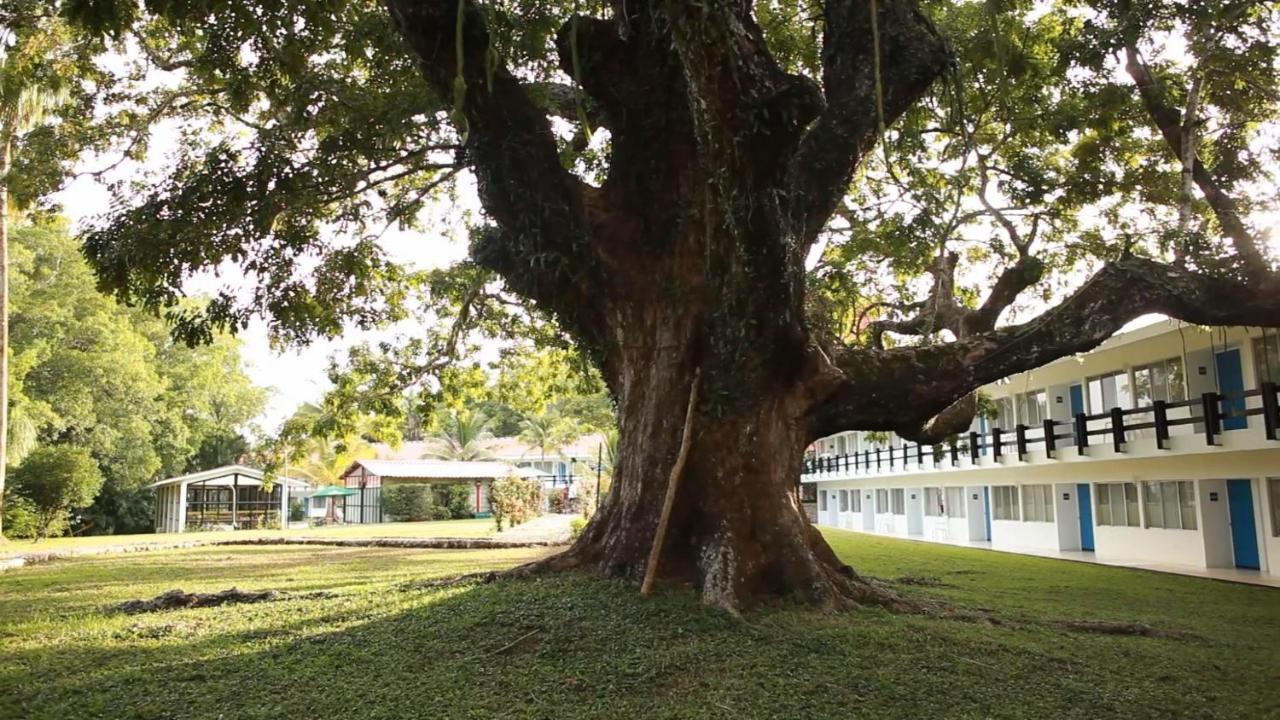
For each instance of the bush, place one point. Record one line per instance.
(558, 501)
(20, 517)
(54, 480)
(461, 502)
(297, 509)
(576, 526)
(440, 512)
(515, 499)
(409, 502)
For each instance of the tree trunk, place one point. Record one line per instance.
(737, 530)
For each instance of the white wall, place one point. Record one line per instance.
(1015, 534)
(1154, 545)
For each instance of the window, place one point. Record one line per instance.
(1170, 504)
(1033, 407)
(1117, 504)
(1037, 503)
(1266, 358)
(899, 506)
(933, 502)
(822, 500)
(882, 501)
(844, 501)
(1273, 497)
(855, 501)
(1004, 413)
(1005, 498)
(1160, 381)
(1109, 391)
(955, 502)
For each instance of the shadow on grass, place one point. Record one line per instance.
(578, 647)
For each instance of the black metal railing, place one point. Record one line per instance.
(1209, 415)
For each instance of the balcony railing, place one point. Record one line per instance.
(1209, 415)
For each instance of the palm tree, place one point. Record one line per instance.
(459, 436)
(324, 461)
(546, 432)
(26, 97)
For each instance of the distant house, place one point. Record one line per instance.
(557, 468)
(369, 477)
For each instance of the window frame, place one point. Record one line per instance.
(1005, 503)
(1104, 491)
(1162, 498)
(1037, 502)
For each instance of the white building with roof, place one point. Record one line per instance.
(232, 497)
(369, 477)
(1158, 449)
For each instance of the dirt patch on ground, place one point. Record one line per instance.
(175, 599)
(1107, 627)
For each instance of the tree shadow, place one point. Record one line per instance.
(572, 646)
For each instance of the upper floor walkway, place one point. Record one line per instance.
(1210, 423)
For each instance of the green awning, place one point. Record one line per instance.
(334, 491)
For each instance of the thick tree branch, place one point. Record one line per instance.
(1169, 121)
(903, 389)
(543, 247)
(912, 56)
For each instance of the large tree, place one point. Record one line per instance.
(654, 176)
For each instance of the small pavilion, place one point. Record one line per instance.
(231, 497)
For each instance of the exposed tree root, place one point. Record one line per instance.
(176, 598)
(1105, 627)
(920, 580)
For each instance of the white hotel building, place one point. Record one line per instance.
(1158, 449)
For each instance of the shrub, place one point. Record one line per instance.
(297, 509)
(409, 502)
(516, 499)
(461, 501)
(440, 512)
(558, 500)
(576, 526)
(54, 480)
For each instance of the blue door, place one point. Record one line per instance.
(1086, 515)
(986, 508)
(1244, 533)
(1231, 384)
(1077, 400)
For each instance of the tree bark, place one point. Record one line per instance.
(737, 530)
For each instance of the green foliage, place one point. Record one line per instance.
(558, 500)
(90, 373)
(515, 500)
(54, 480)
(409, 502)
(459, 436)
(461, 503)
(576, 526)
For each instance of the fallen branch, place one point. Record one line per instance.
(673, 484)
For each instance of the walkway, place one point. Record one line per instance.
(550, 528)
(1235, 575)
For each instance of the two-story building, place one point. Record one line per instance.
(1157, 449)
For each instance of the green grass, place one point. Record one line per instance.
(590, 648)
(478, 527)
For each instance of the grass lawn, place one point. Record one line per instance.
(478, 527)
(578, 647)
